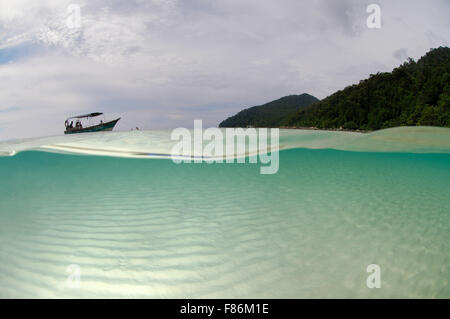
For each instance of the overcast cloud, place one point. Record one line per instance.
(164, 63)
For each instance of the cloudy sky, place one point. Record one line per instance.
(163, 63)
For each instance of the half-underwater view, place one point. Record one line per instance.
(169, 149)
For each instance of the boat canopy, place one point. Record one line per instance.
(85, 116)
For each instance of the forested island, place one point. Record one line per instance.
(415, 93)
(272, 114)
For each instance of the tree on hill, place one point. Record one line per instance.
(272, 114)
(415, 93)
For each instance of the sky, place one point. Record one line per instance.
(161, 64)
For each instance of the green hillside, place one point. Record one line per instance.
(272, 114)
(416, 93)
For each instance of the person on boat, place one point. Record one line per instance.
(71, 124)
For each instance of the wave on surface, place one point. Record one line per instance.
(158, 144)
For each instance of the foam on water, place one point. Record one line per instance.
(151, 228)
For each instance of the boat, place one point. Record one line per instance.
(78, 128)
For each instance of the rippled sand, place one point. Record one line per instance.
(151, 228)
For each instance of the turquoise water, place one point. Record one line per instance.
(151, 228)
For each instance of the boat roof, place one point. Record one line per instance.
(85, 115)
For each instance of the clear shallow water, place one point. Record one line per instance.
(151, 228)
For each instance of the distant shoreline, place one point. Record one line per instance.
(308, 128)
(326, 129)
